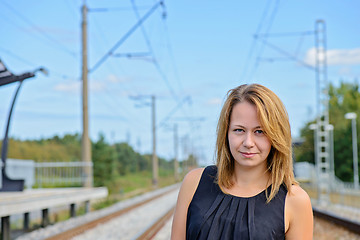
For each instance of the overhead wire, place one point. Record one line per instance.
(33, 65)
(285, 53)
(102, 36)
(263, 39)
(298, 47)
(302, 35)
(17, 57)
(31, 35)
(285, 34)
(111, 9)
(172, 58)
(270, 22)
(253, 43)
(48, 37)
(179, 82)
(122, 40)
(155, 62)
(117, 104)
(162, 122)
(71, 6)
(176, 98)
(110, 103)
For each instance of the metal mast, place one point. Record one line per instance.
(176, 162)
(322, 121)
(85, 143)
(155, 164)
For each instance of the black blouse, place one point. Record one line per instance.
(213, 214)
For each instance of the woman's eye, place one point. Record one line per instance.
(238, 130)
(259, 131)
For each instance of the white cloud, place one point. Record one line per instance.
(345, 70)
(336, 56)
(75, 87)
(214, 101)
(115, 79)
(95, 86)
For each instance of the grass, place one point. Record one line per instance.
(131, 185)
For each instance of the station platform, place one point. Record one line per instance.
(27, 201)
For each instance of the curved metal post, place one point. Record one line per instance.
(11, 185)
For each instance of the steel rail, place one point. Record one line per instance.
(346, 223)
(152, 230)
(69, 234)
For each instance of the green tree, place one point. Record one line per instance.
(130, 161)
(342, 99)
(104, 160)
(190, 163)
(110, 162)
(53, 149)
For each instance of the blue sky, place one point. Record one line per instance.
(189, 60)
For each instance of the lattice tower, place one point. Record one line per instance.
(322, 132)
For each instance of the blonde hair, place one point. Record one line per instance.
(274, 121)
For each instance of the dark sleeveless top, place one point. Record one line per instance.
(213, 214)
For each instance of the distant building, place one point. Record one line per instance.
(305, 172)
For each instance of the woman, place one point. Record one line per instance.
(251, 193)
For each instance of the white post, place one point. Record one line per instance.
(330, 128)
(353, 116)
(314, 128)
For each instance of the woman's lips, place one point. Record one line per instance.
(247, 155)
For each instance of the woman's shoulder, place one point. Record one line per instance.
(189, 186)
(193, 177)
(297, 200)
(297, 196)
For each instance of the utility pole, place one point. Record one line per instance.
(85, 143)
(138, 144)
(176, 163)
(184, 141)
(155, 164)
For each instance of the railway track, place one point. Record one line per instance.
(156, 226)
(347, 224)
(146, 233)
(148, 228)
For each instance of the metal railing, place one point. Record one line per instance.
(60, 174)
(339, 185)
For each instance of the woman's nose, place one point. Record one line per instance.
(249, 140)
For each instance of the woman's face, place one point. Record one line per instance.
(248, 144)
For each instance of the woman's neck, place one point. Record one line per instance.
(251, 177)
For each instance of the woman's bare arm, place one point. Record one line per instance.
(187, 190)
(298, 215)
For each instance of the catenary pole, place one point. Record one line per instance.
(176, 162)
(85, 143)
(155, 164)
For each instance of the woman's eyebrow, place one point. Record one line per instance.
(239, 125)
